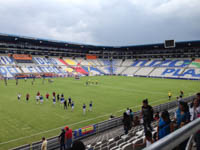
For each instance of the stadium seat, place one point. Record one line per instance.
(112, 145)
(105, 148)
(128, 146)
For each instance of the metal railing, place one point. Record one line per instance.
(53, 142)
(175, 138)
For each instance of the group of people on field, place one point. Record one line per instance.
(56, 98)
(165, 125)
(178, 97)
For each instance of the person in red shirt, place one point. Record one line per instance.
(38, 93)
(47, 96)
(27, 97)
(68, 137)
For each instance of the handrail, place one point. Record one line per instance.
(175, 138)
(190, 142)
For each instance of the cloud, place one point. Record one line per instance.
(102, 22)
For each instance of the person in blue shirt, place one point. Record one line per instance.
(41, 99)
(182, 115)
(54, 100)
(165, 126)
(62, 100)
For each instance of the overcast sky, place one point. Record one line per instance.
(102, 22)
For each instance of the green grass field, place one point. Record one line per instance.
(22, 122)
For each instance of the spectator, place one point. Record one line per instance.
(194, 109)
(68, 137)
(62, 139)
(195, 113)
(147, 115)
(78, 145)
(156, 117)
(131, 115)
(127, 122)
(44, 144)
(128, 111)
(147, 141)
(164, 126)
(182, 115)
(136, 121)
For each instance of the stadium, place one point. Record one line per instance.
(112, 78)
(99, 75)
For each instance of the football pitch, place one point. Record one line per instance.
(23, 123)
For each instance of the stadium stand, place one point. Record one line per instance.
(69, 59)
(183, 69)
(171, 68)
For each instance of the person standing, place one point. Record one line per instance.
(41, 99)
(44, 144)
(127, 122)
(169, 95)
(181, 94)
(194, 114)
(182, 117)
(65, 104)
(47, 96)
(5, 81)
(69, 101)
(19, 96)
(58, 97)
(68, 138)
(16, 81)
(194, 109)
(37, 98)
(54, 100)
(90, 105)
(54, 94)
(131, 115)
(62, 95)
(38, 93)
(147, 115)
(165, 126)
(84, 109)
(62, 139)
(72, 105)
(62, 100)
(27, 97)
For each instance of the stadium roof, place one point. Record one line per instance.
(71, 45)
